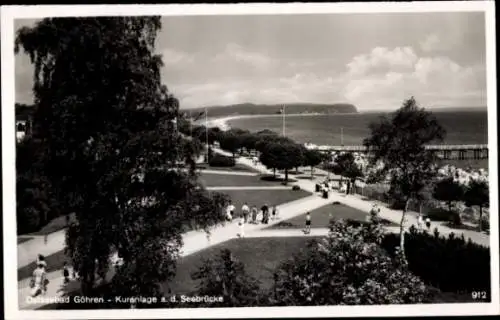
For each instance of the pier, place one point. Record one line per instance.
(445, 152)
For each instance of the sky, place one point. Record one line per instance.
(371, 60)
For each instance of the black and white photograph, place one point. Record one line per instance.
(243, 160)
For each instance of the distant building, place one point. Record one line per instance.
(24, 115)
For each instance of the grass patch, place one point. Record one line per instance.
(221, 180)
(238, 167)
(261, 257)
(21, 240)
(320, 217)
(261, 197)
(54, 262)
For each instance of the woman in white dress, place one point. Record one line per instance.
(38, 280)
(241, 224)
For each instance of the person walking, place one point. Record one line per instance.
(65, 272)
(255, 211)
(230, 211)
(38, 281)
(40, 260)
(374, 213)
(420, 222)
(308, 223)
(428, 223)
(275, 213)
(245, 210)
(241, 224)
(265, 214)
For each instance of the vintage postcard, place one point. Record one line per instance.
(244, 160)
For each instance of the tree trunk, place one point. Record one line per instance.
(312, 172)
(402, 229)
(480, 218)
(274, 172)
(449, 206)
(286, 176)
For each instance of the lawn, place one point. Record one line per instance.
(238, 167)
(226, 180)
(260, 256)
(261, 197)
(220, 180)
(321, 216)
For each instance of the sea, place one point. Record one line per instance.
(462, 126)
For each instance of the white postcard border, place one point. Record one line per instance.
(9, 13)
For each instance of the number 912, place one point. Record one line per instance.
(479, 295)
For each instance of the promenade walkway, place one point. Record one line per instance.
(195, 241)
(249, 188)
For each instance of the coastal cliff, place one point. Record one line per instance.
(260, 109)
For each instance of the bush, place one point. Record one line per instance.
(450, 264)
(296, 188)
(272, 178)
(221, 161)
(347, 267)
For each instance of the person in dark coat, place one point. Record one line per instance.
(265, 214)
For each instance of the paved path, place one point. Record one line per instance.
(250, 188)
(28, 251)
(227, 172)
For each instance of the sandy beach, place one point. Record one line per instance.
(222, 123)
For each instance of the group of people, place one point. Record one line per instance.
(39, 281)
(375, 210)
(250, 215)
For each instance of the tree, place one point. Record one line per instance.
(312, 158)
(449, 191)
(249, 141)
(345, 166)
(111, 147)
(225, 276)
(478, 194)
(213, 134)
(282, 156)
(230, 141)
(397, 143)
(348, 267)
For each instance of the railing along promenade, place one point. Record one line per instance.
(448, 152)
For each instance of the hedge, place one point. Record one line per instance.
(448, 263)
(218, 160)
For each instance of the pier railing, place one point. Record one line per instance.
(444, 151)
(437, 147)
